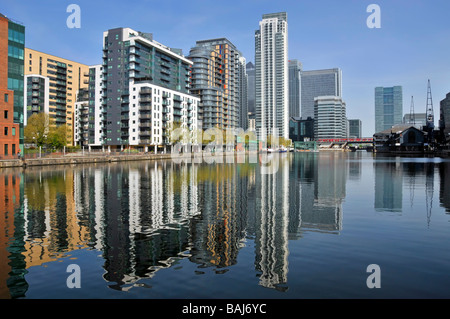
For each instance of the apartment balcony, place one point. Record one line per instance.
(145, 99)
(145, 132)
(145, 107)
(145, 116)
(146, 90)
(145, 124)
(145, 141)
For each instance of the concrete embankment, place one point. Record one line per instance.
(88, 159)
(71, 160)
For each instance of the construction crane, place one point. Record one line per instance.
(429, 126)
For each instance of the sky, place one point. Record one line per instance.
(411, 46)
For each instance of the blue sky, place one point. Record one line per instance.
(411, 46)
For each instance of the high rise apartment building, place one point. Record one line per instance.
(65, 77)
(388, 107)
(12, 43)
(271, 75)
(219, 80)
(36, 96)
(144, 91)
(295, 68)
(314, 83)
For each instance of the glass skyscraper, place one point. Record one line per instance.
(354, 128)
(295, 68)
(388, 107)
(327, 82)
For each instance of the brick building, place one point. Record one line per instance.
(9, 129)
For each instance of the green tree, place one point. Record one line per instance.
(57, 137)
(37, 129)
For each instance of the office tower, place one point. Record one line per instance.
(295, 68)
(271, 75)
(145, 88)
(250, 68)
(12, 43)
(444, 120)
(217, 76)
(66, 78)
(301, 130)
(36, 96)
(388, 107)
(354, 128)
(419, 120)
(330, 120)
(327, 82)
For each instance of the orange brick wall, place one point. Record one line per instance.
(3, 53)
(8, 106)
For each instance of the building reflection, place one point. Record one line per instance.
(388, 185)
(146, 216)
(444, 194)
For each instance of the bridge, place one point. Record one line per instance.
(346, 143)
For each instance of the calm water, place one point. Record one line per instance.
(167, 230)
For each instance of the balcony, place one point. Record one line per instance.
(145, 116)
(145, 90)
(144, 141)
(145, 99)
(145, 124)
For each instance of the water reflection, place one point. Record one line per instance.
(146, 216)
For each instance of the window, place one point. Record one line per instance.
(6, 114)
(6, 131)
(13, 131)
(6, 149)
(6, 97)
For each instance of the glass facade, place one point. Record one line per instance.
(219, 79)
(388, 107)
(354, 128)
(444, 121)
(316, 83)
(295, 68)
(16, 49)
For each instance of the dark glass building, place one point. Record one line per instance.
(301, 130)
